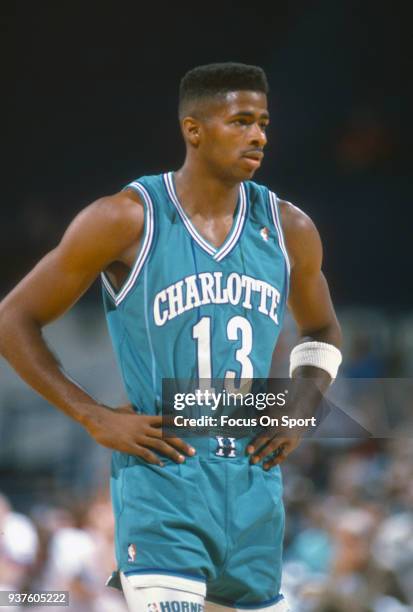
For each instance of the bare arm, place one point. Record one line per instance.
(312, 309)
(107, 231)
(309, 298)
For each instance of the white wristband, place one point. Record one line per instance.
(317, 354)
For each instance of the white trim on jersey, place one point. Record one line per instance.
(191, 229)
(278, 227)
(143, 252)
(230, 242)
(108, 286)
(239, 226)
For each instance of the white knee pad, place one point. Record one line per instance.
(160, 599)
(280, 606)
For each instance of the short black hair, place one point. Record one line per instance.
(212, 80)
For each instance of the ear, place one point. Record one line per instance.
(191, 130)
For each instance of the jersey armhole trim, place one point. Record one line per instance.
(144, 250)
(277, 222)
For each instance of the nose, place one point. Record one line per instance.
(257, 136)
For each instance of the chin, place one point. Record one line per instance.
(247, 171)
(243, 172)
(247, 175)
(239, 174)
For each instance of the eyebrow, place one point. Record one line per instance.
(264, 115)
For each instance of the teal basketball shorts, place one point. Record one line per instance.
(213, 525)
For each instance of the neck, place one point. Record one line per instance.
(201, 192)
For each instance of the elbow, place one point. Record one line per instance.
(2, 329)
(4, 326)
(11, 321)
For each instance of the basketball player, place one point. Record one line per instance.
(197, 266)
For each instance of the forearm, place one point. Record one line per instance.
(321, 379)
(330, 334)
(23, 346)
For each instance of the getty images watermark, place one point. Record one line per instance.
(219, 400)
(239, 407)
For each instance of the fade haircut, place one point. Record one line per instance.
(213, 80)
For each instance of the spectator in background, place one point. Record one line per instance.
(363, 360)
(80, 557)
(18, 547)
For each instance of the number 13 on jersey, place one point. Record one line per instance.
(238, 329)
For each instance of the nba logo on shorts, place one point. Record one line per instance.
(153, 607)
(226, 447)
(131, 553)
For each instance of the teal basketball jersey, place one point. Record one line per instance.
(190, 310)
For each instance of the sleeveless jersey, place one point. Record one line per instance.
(190, 310)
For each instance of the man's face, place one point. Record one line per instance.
(232, 134)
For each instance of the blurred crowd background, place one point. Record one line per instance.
(93, 89)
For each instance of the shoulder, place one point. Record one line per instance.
(294, 220)
(301, 236)
(105, 230)
(120, 214)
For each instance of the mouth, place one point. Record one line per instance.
(254, 155)
(253, 158)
